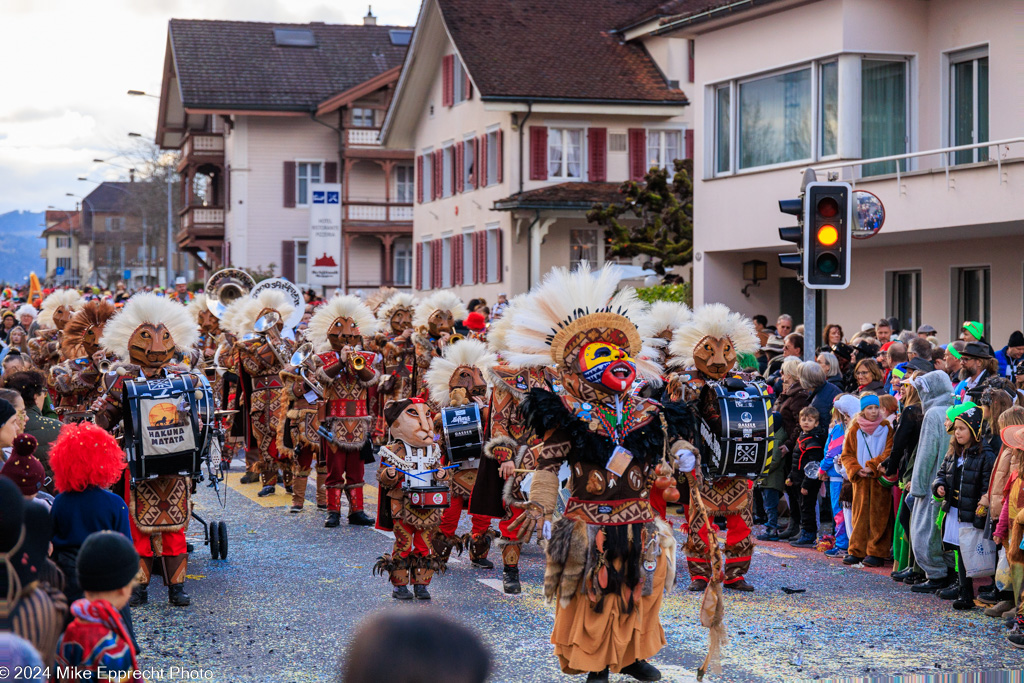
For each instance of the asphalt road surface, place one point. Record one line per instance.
(284, 604)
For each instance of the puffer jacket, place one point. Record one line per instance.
(790, 404)
(965, 486)
(822, 399)
(936, 392)
(904, 442)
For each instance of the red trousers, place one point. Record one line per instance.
(411, 541)
(344, 467)
(173, 541)
(503, 524)
(738, 551)
(450, 518)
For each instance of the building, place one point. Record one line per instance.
(875, 92)
(523, 115)
(260, 112)
(64, 260)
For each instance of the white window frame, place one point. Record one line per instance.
(493, 251)
(299, 177)
(402, 253)
(563, 131)
(891, 294)
(469, 158)
(492, 157)
(60, 243)
(661, 161)
(468, 257)
(360, 122)
(428, 175)
(405, 188)
(426, 264)
(458, 81)
(951, 59)
(301, 260)
(446, 260)
(448, 170)
(957, 315)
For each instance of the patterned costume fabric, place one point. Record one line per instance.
(297, 437)
(44, 348)
(397, 376)
(260, 372)
(77, 384)
(426, 349)
(96, 638)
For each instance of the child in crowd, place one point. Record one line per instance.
(890, 408)
(961, 482)
(1010, 528)
(97, 638)
(868, 443)
(25, 470)
(810, 448)
(844, 408)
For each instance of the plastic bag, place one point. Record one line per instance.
(1004, 577)
(977, 552)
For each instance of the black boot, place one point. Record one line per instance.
(950, 593)
(267, 490)
(931, 585)
(401, 593)
(421, 592)
(510, 580)
(965, 600)
(642, 670)
(177, 596)
(482, 563)
(598, 676)
(333, 519)
(249, 478)
(360, 518)
(791, 531)
(140, 596)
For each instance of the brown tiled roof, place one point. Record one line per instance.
(61, 221)
(564, 195)
(559, 50)
(238, 65)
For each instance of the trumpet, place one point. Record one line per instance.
(358, 363)
(455, 338)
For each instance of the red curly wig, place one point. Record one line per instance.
(84, 455)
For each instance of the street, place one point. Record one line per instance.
(284, 605)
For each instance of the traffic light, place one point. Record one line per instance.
(827, 213)
(793, 260)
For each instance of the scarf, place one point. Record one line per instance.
(869, 426)
(103, 613)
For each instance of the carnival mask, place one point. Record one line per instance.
(608, 366)
(412, 424)
(61, 316)
(470, 378)
(343, 332)
(151, 346)
(440, 322)
(401, 320)
(714, 356)
(208, 323)
(91, 339)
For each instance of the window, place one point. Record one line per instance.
(301, 262)
(583, 247)
(493, 255)
(425, 265)
(404, 186)
(362, 118)
(65, 263)
(403, 262)
(467, 256)
(774, 119)
(492, 158)
(63, 243)
(461, 93)
(664, 147)
(428, 175)
(565, 153)
(448, 174)
(446, 261)
(972, 297)
(618, 142)
(723, 133)
(883, 113)
(468, 163)
(306, 173)
(968, 106)
(829, 108)
(904, 298)
(113, 224)
(294, 37)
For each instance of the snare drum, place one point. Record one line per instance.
(429, 497)
(463, 432)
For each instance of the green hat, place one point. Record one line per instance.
(953, 352)
(970, 414)
(976, 329)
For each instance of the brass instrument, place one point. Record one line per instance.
(455, 338)
(358, 362)
(266, 328)
(300, 359)
(225, 286)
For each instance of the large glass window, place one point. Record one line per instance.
(493, 255)
(973, 297)
(583, 246)
(829, 108)
(492, 158)
(883, 113)
(904, 298)
(565, 153)
(722, 132)
(403, 262)
(775, 119)
(968, 116)
(468, 163)
(467, 258)
(403, 184)
(426, 277)
(306, 173)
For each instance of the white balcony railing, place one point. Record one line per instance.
(400, 213)
(377, 210)
(367, 212)
(364, 136)
(207, 216)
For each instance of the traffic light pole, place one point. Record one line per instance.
(810, 322)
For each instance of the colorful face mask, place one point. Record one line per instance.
(607, 365)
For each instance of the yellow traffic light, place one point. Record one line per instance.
(828, 235)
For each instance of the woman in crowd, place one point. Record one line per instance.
(792, 400)
(867, 374)
(832, 336)
(829, 363)
(1008, 461)
(868, 443)
(820, 392)
(8, 322)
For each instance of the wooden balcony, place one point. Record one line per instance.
(370, 211)
(363, 137)
(202, 227)
(201, 148)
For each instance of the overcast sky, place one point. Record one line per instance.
(65, 66)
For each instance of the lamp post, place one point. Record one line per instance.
(71, 239)
(170, 211)
(142, 209)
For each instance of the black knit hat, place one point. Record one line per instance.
(7, 411)
(107, 561)
(1016, 339)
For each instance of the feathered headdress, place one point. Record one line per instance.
(394, 304)
(464, 352)
(444, 300)
(249, 310)
(712, 320)
(661, 316)
(348, 306)
(378, 296)
(155, 310)
(497, 333)
(68, 298)
(197, 306)
(571, 309)
(92, 314)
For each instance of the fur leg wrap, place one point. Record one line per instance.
(443, 544)
(396, 568)
(566, 560)
(480, 545)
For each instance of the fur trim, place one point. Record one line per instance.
(566, 560)
(712, 320)
(85, 455)
(444, 300)
(197, 306)
(346, 306)
(91, 314)
(244, 317)
(667, 542)
(71, 298)
(499, 441)
(466, 352)
(155, 310)
(395, 303)
(509, 488)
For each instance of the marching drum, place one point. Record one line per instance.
(736, 429)
(429, 497)
(463, 432)
(167, 424)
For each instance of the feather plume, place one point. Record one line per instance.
(711, 320)
(69, 298)
(444, 300)
(497, 333)
(249, 309)
(378, 296)
(347, 306)
(94, 313)
(155, 310)
(465, 352)
(197, 306)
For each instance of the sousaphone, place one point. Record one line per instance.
(225, 287)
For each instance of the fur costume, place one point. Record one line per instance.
(397, 357)
(394, 303)
(246, 311)
(44, 347)
(378, 296)
(444, 300)
(347, 306)
(155, 310)
(92, 314)
(76, 380)
(68, 298)
(427, 343)
(712, 320)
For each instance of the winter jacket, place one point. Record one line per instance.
(775, 476)
(935, 390)
(874, 386)
(838, 381)
(960, 392)
(789, 406)
(851, 444)
(810, 446)
(821, 399)
(904, 441)
(833, 449)
(1005, 363)
(965, 485)
(1004, 465)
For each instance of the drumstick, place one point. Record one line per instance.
(526, 470)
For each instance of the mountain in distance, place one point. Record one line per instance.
(20, 246)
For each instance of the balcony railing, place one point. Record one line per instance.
(202, 217)
(198, 148)
(378, 211)
(364, 136)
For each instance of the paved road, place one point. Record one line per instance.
(285, 603)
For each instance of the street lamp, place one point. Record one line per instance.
(145, 222)
(142, 93)
(170, 210)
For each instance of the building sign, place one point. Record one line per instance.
(324, 248)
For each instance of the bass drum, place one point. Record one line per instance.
(736, 429)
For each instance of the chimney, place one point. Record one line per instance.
(369, 19)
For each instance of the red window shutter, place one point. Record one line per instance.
(475, 157)
(477, 253)
(460, 170)
(500, 241)
(468, 86)
(447, 80)
(419, 265)
(331, 172)
(637, 153)
(456, 259)
(419, 179)
(597, 149)
(690, 60)
(438, 258)
(538, 153)
(481, 173)
(438, 167)
(288, 259)
(289, 184)
(500, 153)
(688, 137)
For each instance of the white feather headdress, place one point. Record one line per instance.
(378, 296)
(712, 320)
(245, 316)
(497, 333)
(197, 306)
(444, 300)
(569, 309)
(661, 316)
(464, 352)
(394, 303)
(155, 310)
(347, 306)
(69, 298)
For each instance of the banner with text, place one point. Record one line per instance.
(323, 253)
